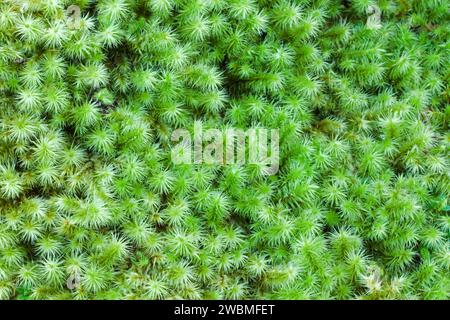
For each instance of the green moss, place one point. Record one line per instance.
(89, 192)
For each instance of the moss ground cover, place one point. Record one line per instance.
(93, 207)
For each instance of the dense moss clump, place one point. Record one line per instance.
(89, 192)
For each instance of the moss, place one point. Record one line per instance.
(93, 207)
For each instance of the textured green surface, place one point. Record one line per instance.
(359, 208)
